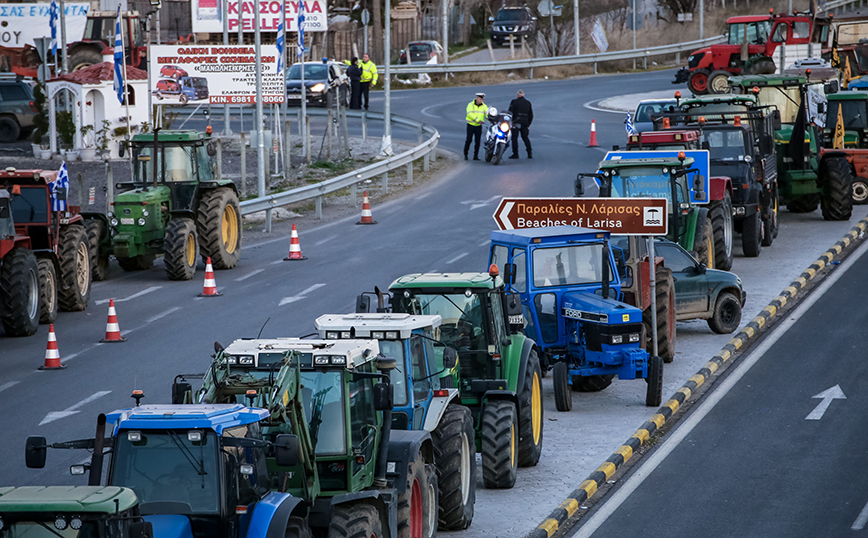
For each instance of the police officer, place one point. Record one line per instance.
(476, 113)
(369, 77)
(522, 115)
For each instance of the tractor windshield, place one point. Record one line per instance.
(645, 182)
(30, 206)
(753, 33)
(171, 467)
(726, 145)
(463, 327)
(322, 393)
(852, 113)
(174, 163)
(568, 266)
(394, 349)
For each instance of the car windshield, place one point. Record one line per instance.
(461, 315)
(511, 15)
(645, 182)
(165, 466)
(200, 82)
(568, 266)
(852, 112)
(322, 394)
(311, 72)
(420, 48)
(30, 206)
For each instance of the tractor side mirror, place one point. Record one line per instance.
(212, 149)
(35, 452)
(699, 186)
(141, 529)
(363, 304)
(616, 147)
(586, 186)
(776, 119)
(821, 108)
(831, 87)
(509, 273)
(287, 450)
(384, 396)
(450, 358)
(180, 389)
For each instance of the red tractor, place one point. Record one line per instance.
(750, 49)
(19, 276)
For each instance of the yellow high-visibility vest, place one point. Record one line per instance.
(476, 113)
(369, 72)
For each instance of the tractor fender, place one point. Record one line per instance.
(437, 407)
(720, 185)
(526, 348)
(493, 395)
(271, 515)
(385, 503)
(515, 359)
(403, 448)
(170, 525)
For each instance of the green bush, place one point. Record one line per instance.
(65, 127)
(40, 121)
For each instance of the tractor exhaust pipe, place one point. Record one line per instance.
(381, 301)
(96, 460)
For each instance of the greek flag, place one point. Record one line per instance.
(629, 125)
(62, 182)
(301, 30)
(53, 15)
(281, 39)
(119, 59)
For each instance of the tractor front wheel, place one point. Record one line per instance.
(416, 505)
(770, 223)
(499, 444)
(703, 239)
(561, 384)
(591, 383)
(837, 176)
(358, 520)
(654, 392)
(99, 262)
(455, 454)
(530, 409)
(720, 212)
(697, 82)
(718, 82)
(84, 58)
(181, 247)
(47, 291)
(804, 204)
(860, 191)
(19, 292)
(751, 235)
(219, 225)
(75, 273)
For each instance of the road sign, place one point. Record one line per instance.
(624, 216)
(701, 162)
(366, 17)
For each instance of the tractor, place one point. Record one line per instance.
(107, 512)
(19, 276)
(808, 174)
(58, 237)
(313, 452)
(423, 399)
(174, 207)
(570, 302)
(854, 116)
(750, 49)
(499, 374)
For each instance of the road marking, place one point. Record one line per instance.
(427, 108)
(248, 275)
(476, 204)
(834, 393)
(73, 409)
(300, 296)
(456, 258)
(485, 243)
(133, 296)
(326, 240)
(861, 520)
(164, 314)
(5, 386)
(275, 262)
(420, 197)
(589, 106)
(596, 520)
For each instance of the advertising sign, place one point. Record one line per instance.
(208, 15)
(701, 162)
(21, 24)
(599, 37)
(624, 216)
(213, 74)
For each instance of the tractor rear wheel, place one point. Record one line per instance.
(665, 299)
(19, 292)
(837, 176)
(654, 392)
(720, 212)
(703, 239)
(751, 235)
(416, 504)
(47, 291)
(75, 274)
(717, 82)
(181, 247)
(727, 314)
(762, 66)
(499, 444)
(218, 222)
(99, 263)
(455, 454)
(530, 414)
(297, 527)
(561, 383)
(804, 204)
(82, 58)
(860, 190)
(697, 82)
(770, 223)
(358, 520)
(136, 263)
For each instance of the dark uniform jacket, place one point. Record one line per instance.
(522, 111)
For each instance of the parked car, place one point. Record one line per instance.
(16, 108)
(512, 21)
(643, 119)
(172, 71)
(322, 80)
(185, 89)
(422, 52)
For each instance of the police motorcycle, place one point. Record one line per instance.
(498, 137)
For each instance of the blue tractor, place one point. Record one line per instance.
(571, 304)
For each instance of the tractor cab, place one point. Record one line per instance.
(31, 204)
(101, 29)
(853, 107)
(7, 225)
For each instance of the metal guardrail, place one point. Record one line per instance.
(675, 48)
(837, 4)
(351, 178)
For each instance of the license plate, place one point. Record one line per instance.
(294, 96)
(128, 221)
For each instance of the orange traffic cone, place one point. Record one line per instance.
(210, 289)
(367, 218)
(52, 354)
(294, 247)
(112, 329)
(593, 143)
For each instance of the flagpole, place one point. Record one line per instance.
(126, 92)
(283, 105)
(305, 142)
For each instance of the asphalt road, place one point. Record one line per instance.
(774, 457)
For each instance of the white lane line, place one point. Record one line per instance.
(326, 240)
(456, 258)
(5, 386)
(589, 106)
(163, 314)
(487, 241)
(426, 113)
(860, 522)
(312, 288)
(684, 429)
(133, 296)
(73, 409)
(300, 296)
(248, 275)
(420, 197)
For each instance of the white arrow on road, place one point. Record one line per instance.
(834, 393)
(476, 204)
(69, 411)
(300, 296)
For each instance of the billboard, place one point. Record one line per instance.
(207, 15)
(21, 24)
(213, 74)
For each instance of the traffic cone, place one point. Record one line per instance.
(294, 247)
(593, 143)
(210, 289)
(367, 218)
(52, 354)
(112, 329)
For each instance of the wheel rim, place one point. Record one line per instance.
(727, 230)
(432, 510)
(33, 296)
(700, 82)
(83, 270)
(52, 291)
(416, 512)
(191, 250)
(727, 314)
(465, 468)
(536, 409)
(512, 445)
(860, 192)
(719, 84)
(230, 229)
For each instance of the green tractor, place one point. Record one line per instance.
(808, 175)
(175, 207)
(499, 375)
(107, 512)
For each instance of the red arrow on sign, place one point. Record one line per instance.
(625, 216)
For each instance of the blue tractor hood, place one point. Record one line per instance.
(170, 526)
(589, 307)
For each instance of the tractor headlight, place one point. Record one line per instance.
(142, 221)
(246, 360)
(391, 335)
(231, 360)
(145, 213)
(378, 335)
(332, 335)
(75, 523)
(321, 361)
(194, 436)
(59, 523)
(617, 338)
(113, 221)
(665, 170)
(316, 88)
(634, 338)
(340, 360)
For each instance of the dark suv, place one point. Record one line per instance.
(512, 21)
(16, 108)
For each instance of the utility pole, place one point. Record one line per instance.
(576, 20)
(387, 120)
(634, 31)
(65, 60)
(260, 133)
(702, 18)
(226, 130)
(445, 21)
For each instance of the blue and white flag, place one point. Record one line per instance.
(53, 16)
(62, 182)
(629, 125)
(281, 39)
(301, 30)
(119, 59)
